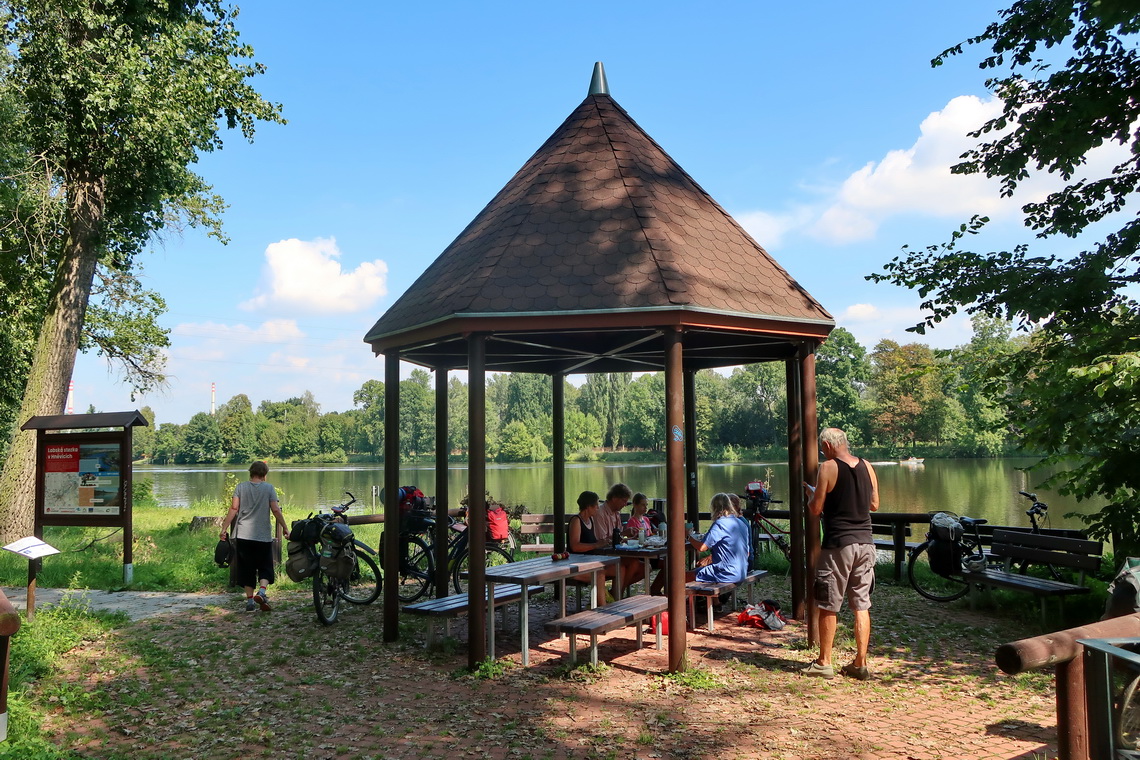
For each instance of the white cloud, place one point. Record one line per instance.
(917, 181)
(306, 276)
(870, 324)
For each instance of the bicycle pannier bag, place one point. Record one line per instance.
(336, 534)
(302, 561)
(498, 526)
(338, 562)
(945, 557)
(945, 527)
(306, 531)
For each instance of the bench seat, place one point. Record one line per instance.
(1017, 546)
(624, 612)
(709, 590)
(456, 605)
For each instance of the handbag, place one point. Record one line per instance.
(223, 552)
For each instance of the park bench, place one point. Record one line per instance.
(1039, 549)
(450, 607)
(710, 590)
(632, 610)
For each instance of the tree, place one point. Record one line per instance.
(643, 413)
(202, 440)
(142, 437)
(417, 414)
(907, 399)
(235, 422)
(119, 100)
(841, 375)
(603, 396)
(370, 399)
(1058, 106)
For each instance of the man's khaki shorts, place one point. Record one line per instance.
(847, 571)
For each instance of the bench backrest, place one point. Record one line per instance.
(535, 524)
(1080, 553)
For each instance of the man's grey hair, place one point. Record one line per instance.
(834, 436)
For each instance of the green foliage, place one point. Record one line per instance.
(1071, 390)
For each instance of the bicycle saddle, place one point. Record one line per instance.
(972, 521)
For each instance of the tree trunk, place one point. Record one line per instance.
(56, 346)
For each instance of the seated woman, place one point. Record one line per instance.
(580, 536)
(727, 541)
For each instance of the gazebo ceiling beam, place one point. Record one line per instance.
(615, 353)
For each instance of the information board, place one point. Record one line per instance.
(83, 479)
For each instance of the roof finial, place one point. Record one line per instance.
(598, 84)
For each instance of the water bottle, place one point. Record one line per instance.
(617, 535)
(641, 535)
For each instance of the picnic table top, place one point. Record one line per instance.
(545, 570)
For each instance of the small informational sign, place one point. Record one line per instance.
(83, 479)
(31, 548)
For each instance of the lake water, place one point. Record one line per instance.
(976, 487)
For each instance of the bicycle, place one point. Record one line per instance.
(942, 580)
(757, 498)
(361, 585)
(417, 555)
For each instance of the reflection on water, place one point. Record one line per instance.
(976, 487)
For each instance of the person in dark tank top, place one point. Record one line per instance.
(845, 494)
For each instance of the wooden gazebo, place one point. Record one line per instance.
(600, 255)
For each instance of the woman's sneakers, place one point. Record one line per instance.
(261, 600)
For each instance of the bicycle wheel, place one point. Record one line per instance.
(363, 587)
(929, 584)
(326, 597)
(417, 571)
(1128, 716)
(495, 557)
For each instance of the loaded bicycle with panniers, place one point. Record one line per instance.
(324, 549)
(937, 567)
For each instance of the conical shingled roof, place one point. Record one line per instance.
(601, 219)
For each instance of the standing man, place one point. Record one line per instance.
(845, 494)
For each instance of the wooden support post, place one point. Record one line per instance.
(477, 499)
(810, 437)
(391, 496)
(796, 492)
(442, 449)
(675, 495)
(692, 500)
(558, 397)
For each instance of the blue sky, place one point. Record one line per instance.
(821, 127)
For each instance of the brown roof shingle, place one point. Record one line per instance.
(600, 218)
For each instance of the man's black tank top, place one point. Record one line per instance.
(847, 508)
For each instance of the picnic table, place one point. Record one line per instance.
(642, 552)
(537, 572)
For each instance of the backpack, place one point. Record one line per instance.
(1124, 591)
(498, 525)
(415, 515)
(302, 561)
(945, 527)
(764, 615)
(307, 531)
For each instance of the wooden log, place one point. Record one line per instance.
(1060, 646)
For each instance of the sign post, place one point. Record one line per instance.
(83, 477)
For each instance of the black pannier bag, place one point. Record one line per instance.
(945, 557)
(307, 531)
(338, 561)
(944, 553)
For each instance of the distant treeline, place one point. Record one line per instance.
(897, 399)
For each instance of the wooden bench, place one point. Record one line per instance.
(709, 590)
(537, 526)
(1040, 549)
(454, 606)
(624, 612)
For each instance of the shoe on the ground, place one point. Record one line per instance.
(262, 601)
(819, 671)
(858, 672)
(250, 605)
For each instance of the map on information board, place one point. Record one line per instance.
(82, 479)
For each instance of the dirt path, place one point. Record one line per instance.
(220, 683)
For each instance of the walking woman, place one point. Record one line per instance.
(253, 502)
